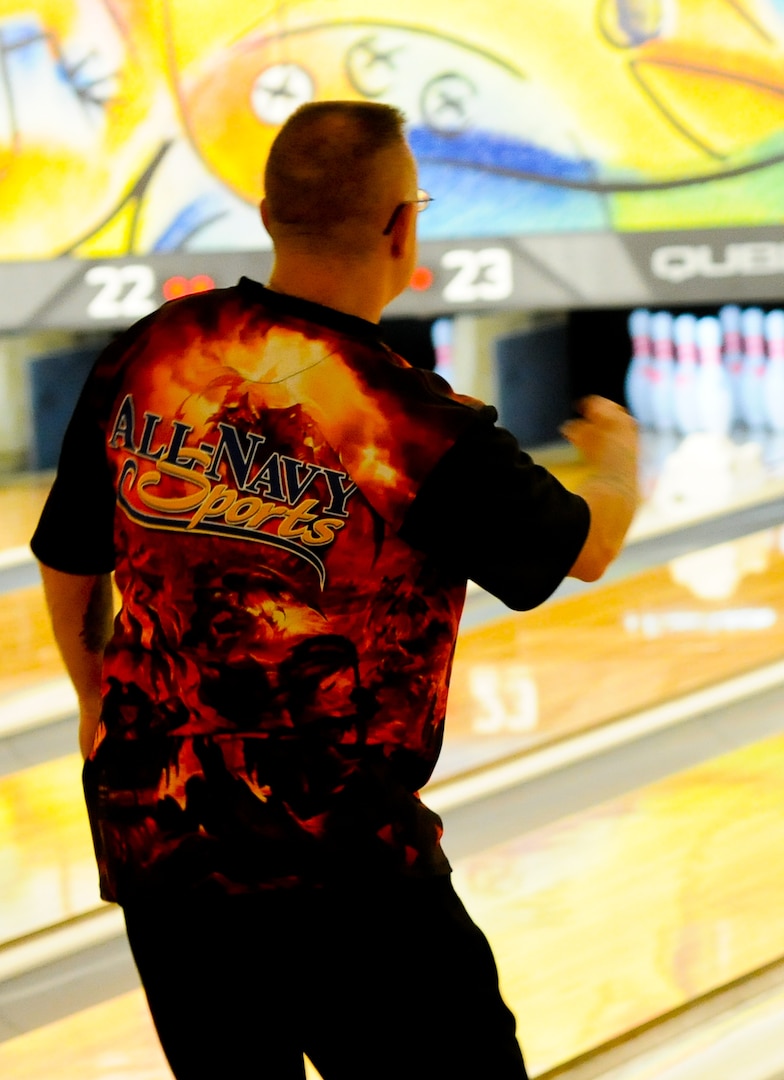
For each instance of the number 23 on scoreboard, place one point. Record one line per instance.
(486, 274)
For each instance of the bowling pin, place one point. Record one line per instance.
(662, 372)
(714, 399)
(638, 383)
(685, 405)
(732, 351)
(773, 381)
(752, 392)
(441, 335)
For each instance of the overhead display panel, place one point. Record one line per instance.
(580, 152)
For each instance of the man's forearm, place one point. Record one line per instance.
(613, 501)
(607, 436)
(81, 609)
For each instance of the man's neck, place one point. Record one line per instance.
(354, 289)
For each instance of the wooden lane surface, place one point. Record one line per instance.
(111, 1041)
(28, 654)
(578, 662)
(600, 922)
(47, 866)
(21, 501)
(605, 920)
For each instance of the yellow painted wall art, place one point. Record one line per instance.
(142, 128)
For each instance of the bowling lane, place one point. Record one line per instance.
(601, 921)
(528, 679)
(111, 1041)
(605, 920)
(21, 500)
(28, 654)
(47, 868)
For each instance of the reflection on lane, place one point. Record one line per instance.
(114, 1039)
(601, 654)
(47, 866)
(607, 919)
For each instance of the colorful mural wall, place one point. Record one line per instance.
(141, 126)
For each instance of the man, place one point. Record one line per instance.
(291, 513)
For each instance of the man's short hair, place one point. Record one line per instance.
(322, 168)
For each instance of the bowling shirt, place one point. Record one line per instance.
(291, 512)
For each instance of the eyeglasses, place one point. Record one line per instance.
(421, 202)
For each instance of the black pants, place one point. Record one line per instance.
(372, 983)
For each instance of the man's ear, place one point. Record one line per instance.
(265, 215)
(403, 233)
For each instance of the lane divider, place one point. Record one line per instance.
(576, 747)
(15, 556)
(56, 942)
(27, 709)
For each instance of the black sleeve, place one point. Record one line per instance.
(75, 533)
(494, 516)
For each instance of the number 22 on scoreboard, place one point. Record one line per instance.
(124, 292)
